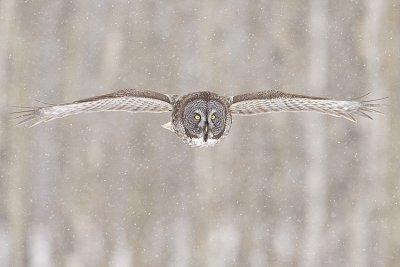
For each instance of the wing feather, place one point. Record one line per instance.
(130, 100)
(276, 101)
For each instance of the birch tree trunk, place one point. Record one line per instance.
(13, 190)
(315, 176)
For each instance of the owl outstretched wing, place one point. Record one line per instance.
(130, 100)
(276, 101)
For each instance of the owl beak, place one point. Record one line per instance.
(206, 132)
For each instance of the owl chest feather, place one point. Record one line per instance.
(199, 142)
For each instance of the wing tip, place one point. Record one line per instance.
(28, 117)
(371, 106)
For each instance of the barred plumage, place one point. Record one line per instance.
(201, 118)
(276, 101)
(124, 100)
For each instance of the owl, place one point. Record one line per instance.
(199, 119)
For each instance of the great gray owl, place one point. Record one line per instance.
(200, 118)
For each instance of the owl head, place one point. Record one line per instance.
(202, 119)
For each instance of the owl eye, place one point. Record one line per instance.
(197, 117)
(213, 117)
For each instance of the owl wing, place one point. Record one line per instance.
(276, 101)
(130, 100)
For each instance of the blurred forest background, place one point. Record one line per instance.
(115, 189)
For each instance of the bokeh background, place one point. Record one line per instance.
(115, 189)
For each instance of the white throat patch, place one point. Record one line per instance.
(199, 142)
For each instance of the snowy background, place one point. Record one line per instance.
(115, 189)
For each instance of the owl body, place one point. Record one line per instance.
(200, 119)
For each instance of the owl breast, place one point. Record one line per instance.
(199, 142)
(201, 119)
